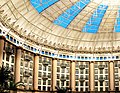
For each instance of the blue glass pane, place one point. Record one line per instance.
(93, 23)
(41, 5)
(65, 18)
(117, 24)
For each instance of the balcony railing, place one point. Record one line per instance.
(82, 79)
(101, 66)
(45, 77)
(45, 63)
(63, 78)
(63, 65)
(101, 79)
(82, 66)
(9, 50)
(27, 74)
(28, 58)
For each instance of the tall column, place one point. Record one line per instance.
(91, 77)
(35, 72)
(111, 75)
(2, 38)
(17, 64)
(54, 74)
(72, 75)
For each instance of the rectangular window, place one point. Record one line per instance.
(101, 83)
(101, 71)
(96, 71)
(3, 55)
(76, 83)
(77, 71)
(7, 57)
(40, 67)
(81, 71)
(31, 65)
(106, 83)
(49, 68)
(86, 83)
(76, 77)
(58, 83)
(106, 88)
(44, 82)
(67, 83)
(58, 69)
(81, 83)
(116, 70)
(101, 89)
(63, 70)
(86, 71)
(106, 71)
(96, 83)
(39, 74)
(49, 82)
(62, 83)
(44, 88)
(58, 76)
(96, 77)
(12, 57)
(26, 64)
(106, 77)
(39, 81)
(7, 65)
(86, 77)
(44, 68)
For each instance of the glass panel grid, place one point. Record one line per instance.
(65, 19)
(93, 23)
(117, 24)
(41, 5)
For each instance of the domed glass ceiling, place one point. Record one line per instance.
(64, 24)
(94, 21)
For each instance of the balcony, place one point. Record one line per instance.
(44, 77)
(82, 79)
(45, 63)
(28, 58)
(101, 79)
(101, 66)
(63, 79)
(27, 74)
(82, 66)
(9, 50)
(63, 65)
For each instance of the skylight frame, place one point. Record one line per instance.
(64, 21)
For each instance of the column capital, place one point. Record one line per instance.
(19, 47)
(73, 61)
(2, 37)
(111, 61)
(92, 62)
(54, 58)
(36, 54)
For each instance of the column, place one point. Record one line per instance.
(2, 38)
(17, 64)
(35, 72)
(111, 75)
(54, 74)
(91, 77)
(72, 75)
